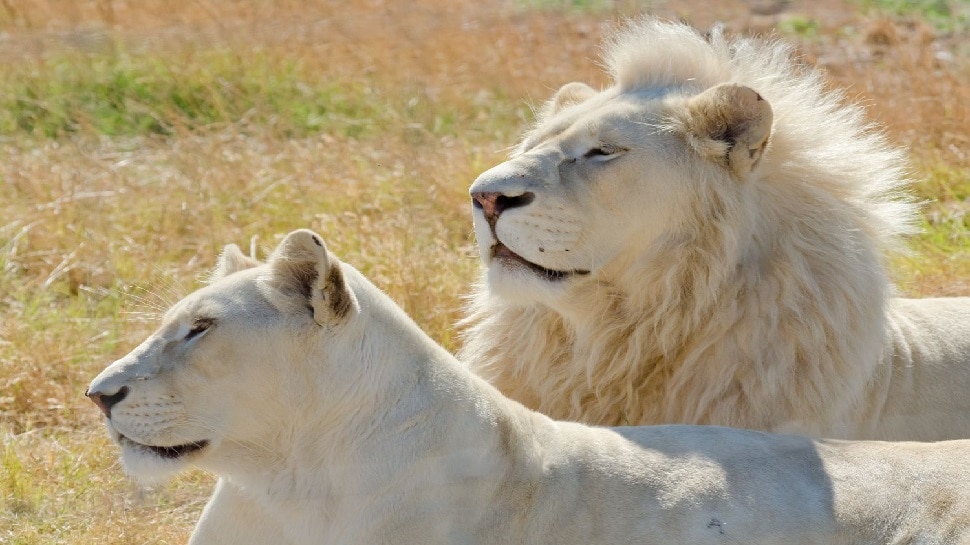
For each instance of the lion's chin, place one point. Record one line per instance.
(502, 257)
(518, 283)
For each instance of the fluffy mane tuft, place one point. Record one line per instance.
(830, 133)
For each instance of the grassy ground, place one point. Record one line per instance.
(137, 138)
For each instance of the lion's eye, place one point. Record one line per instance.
(200, 326)
(603, 152)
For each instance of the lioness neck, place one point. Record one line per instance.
(415, 424)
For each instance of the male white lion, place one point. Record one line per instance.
(703, 242)
(337, 421)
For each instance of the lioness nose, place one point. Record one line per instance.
(106, 401)
(494, 203)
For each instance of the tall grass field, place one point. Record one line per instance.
(137, 138)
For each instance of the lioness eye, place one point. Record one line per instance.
(199, 327)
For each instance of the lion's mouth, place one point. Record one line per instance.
(501, 251)
(170, 453)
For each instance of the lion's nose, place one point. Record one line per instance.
(106, 401)
(494, 203)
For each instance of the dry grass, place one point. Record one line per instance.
(139, 137)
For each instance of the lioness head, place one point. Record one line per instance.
(605, 174)
(233, 349)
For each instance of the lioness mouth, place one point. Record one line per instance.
(176, 451)
(500, 250)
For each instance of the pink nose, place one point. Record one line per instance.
(106, 401)
(488, 202)
(494, 203)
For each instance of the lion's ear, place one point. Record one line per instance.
(302, 270)
(231, 260)
(729, 124)
(567, 95)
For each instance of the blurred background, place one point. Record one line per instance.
(137, 137)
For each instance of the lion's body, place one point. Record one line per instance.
(704, 272)
(332, 419)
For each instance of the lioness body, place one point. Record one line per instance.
(332, 419)
(704, 242)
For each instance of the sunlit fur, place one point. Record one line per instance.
(763, 302)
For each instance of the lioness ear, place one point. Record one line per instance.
(729, 124)
(304, 271)
(231, 260)
(567, 95)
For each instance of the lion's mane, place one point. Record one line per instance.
(765, 306)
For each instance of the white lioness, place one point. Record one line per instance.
(337, 421)
(703, 242)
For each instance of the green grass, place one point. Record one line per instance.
(34, 512)
(799, 26)
(125, 94)
(946, 217)
(939, 263)
(944, 15)
(568, 5)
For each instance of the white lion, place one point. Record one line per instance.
(704, 242)
(335, 420)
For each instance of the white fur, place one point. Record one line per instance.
(332, 419)
(728, 285)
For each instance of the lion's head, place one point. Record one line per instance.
(606, 175)
(682, 244)
(231, 350)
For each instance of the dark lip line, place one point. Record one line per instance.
(172, 452)
(549, 274)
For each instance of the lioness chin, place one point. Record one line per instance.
(332, 419)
